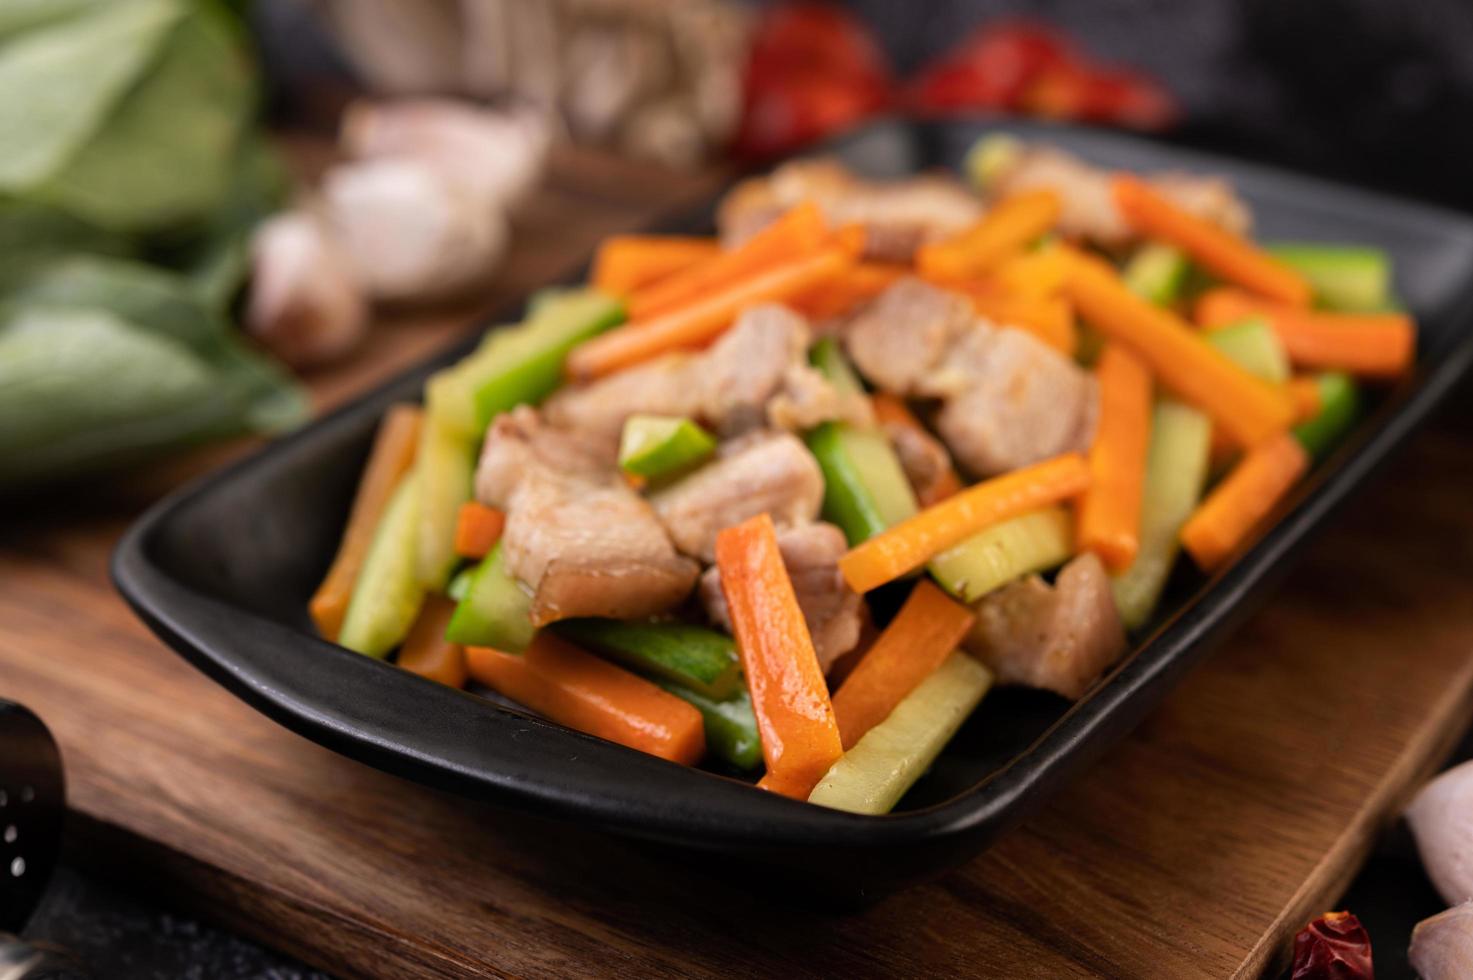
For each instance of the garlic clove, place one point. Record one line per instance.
(305, 304)
(1442, 946)
(1441, 818)
(498, 155)
(410, 233)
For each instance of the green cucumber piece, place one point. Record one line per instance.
(444, 465)
(460, 584)
(1252, 344)
(830, 361)
(692, 656)
(878, 770)
(654, 446)
(1339, 407)
(496, 610)
(1353, 278)
(990, 158)
(1022, 545)
(1176, 474)
(1157, 273)
(387, 596)
(525, 364)
(731, 727)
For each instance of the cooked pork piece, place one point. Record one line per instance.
(1008, 399)
(576, 535)
(1022, 402)
(756, 373)
(1089, 208)
(898, 216)
(770, 472)
(901, 339)
(924, 460)
(1059, 637)
(835, 613)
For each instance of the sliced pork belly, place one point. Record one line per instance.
(835, 613)
(1089, 208)
(1007, 398)
(1058, 637)
(898, 216)
(764, 472)
(923, 458)
(757, 373)
(576, 535)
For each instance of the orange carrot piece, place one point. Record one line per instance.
(1225, 519)
(426, 652)
(800, 738)
(705, 319)
(1032, 275)
(928, 627)
(1249, 409)
(1110, 510)
(857, 285)
(390, 458)
(1374, 345)
(1006, 229)
(890, 410)
(799, 232)
(577, 689)
(1306, 394)
(1230, 256)
(1051, 319)
(477, 529)
(904, 547)
(626, 263)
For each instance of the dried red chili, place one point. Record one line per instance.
(1333, 947)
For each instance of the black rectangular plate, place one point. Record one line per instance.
(222, 571)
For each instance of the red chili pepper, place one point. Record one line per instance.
(991, 68)
(1333, 947)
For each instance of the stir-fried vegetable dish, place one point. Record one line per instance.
(789, 501)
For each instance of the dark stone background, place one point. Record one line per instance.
(1379, 93)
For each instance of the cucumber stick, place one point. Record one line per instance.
(1006, 551)
(731, 727)
(1157, 273)
(878, 770)
(1339, 407)
(656, 446)
(443, 466)
(697, 658)
(496, 610)
(1252, 344)
(1352, 278)
(387, 595)
(1176, 473)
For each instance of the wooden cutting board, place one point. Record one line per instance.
(1193, 849)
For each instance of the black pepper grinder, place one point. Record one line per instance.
(32, 806)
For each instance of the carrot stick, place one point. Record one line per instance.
(1376, 345)
(1110, 510)
(626, 263)
(799, 232)
(1249, 409)
(1006, 229)
(391, 456)
(1049, 319)
(908, 545)
(1305, 391)
(426, 652)
(1230, 256)
(577, 689)
(1032, 275)
(800, 738)
(857, 285)
(928, 627)
(1224, 520)
(890, 410)
(705, 319)
(477, 529)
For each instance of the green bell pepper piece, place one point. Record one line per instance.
(700, 659)
(496, 610)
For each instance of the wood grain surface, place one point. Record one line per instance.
(1193, 849)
